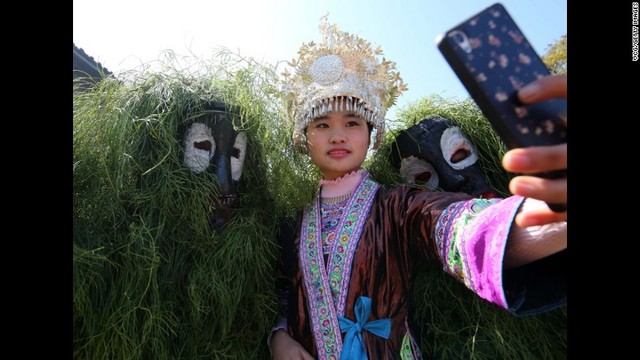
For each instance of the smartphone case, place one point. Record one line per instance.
(493, 59)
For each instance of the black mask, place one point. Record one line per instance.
(435, 153)
(211, 144)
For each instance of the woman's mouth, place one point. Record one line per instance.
(338, 153)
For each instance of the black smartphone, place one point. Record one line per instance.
(493, 59)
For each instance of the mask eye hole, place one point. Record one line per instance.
(237, 156)
(423, 177)
(199, 147)
(457, 149)
(202, 145)
(460, 155)
(419, 172)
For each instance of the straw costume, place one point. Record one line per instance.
(349, 264)
(175, 211)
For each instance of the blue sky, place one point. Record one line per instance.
(122, 34)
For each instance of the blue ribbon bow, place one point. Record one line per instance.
(352, 347)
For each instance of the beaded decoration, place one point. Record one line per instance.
(343, 73)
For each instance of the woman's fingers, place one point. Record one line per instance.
(545, 88)
(536, 159)
(550, 191)
(540, 216)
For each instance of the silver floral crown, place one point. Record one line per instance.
(342, 73)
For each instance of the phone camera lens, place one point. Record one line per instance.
(461, 39)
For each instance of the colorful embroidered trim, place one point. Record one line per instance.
(325, 309)
(409, 349)
(405, 348)
(449, 230)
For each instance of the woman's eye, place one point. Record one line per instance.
(321, 126)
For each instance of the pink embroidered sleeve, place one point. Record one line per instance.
(471, 237)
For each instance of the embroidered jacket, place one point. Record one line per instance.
(383, 237)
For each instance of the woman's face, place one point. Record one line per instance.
(338, 143)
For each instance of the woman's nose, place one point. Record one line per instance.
(337, 137)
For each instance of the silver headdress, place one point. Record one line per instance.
(343, 73)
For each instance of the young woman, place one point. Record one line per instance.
(350, 264)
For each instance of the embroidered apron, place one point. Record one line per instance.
(327, 286)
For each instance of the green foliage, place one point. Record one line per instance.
(151, 280)
(457, 324)
(555, 57)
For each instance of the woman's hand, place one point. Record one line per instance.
(284, 347)
(538, 159)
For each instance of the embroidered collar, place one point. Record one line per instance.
(341, 186)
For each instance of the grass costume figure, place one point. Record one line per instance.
(174, 210)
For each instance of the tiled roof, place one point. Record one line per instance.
(84, 65)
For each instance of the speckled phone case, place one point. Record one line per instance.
(493, 59)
